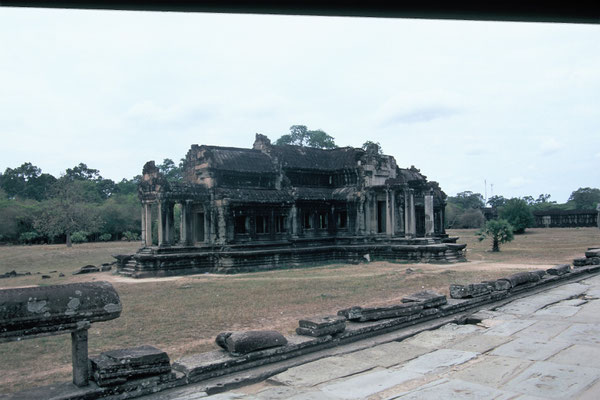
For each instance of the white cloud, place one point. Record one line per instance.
(550, 146)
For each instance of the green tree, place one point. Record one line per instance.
(26, 181)
(300, 136)
(467, 199)
(67, 211)
(500, 230)
(518, 213)
(585, 198)
(172, 172)
(496, 201)
(373, 147)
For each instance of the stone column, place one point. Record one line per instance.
(410, 223)
(367, 205)
(389, 228)
(443, 216)
(143, 224)
(79, 354)
(598, 217)
(429, 226)
(359, 217)
(221, 227)
(161, 223)
(294, 221)
(148, 224)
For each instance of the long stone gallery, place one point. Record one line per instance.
(282, 205)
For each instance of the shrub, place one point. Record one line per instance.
(79, 237)
(131, 235)
(499, 230)
(29, 237)
(518, 214)
(105, 237)
(472, 218)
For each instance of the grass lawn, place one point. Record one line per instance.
(182, 315)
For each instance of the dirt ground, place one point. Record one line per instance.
(182, 315)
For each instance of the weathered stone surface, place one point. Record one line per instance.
(530, 348)
(581, 334)
(365, 385)
(492, 371)
(439, 360)
(581, 355)
(320, 371)
(86, 270)
(479, 343)
(56, 308)
(543, 330)
(553, 381)
(560, 269)
(247, 341)
(426, 298)
(595, 260)
(385, 355)
(455, 390)
(470, 290)
(443, 336)
(321, 322)
(376, 313)
(509, 327)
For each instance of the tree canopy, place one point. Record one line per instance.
(300, 136)
(585, 198)
(499, 230)
(518, 213)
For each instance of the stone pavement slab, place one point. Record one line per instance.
(323, 370)
(589, 313)
(368, 384)
(436, 338)
(530, 349)
(586, 356)
(531, 304)
(480, 343)
(385, 355)
(581, 334)
(509, 327)
(558, 310)
(543, 330)
(288, 392)
(439, 360)
(445, 389)
(553, 381)
(491, 371)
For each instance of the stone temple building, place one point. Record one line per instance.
(279, 206)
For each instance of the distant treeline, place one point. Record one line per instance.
(78, 206)
(468, 209)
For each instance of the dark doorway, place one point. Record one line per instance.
(420, 221)
(199, 227)
(381, 215)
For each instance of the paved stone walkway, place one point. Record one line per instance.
(546, 346)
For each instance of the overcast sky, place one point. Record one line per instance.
(516, 104)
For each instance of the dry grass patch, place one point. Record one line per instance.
(183, 315)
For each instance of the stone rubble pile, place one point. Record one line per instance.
(592, 257)
(119, 366)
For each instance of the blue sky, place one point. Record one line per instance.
(513, 104)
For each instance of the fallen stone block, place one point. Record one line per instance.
(579, 262)
(595, 260)
(372, 314)
(559, 269)
(592, 253)
(321, 326)
(426, 298)
(247, 341)
(118, 366)
(470, 290)
(87, 270)
(502, 284)
(523, 277)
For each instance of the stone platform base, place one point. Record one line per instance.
(179, 260)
